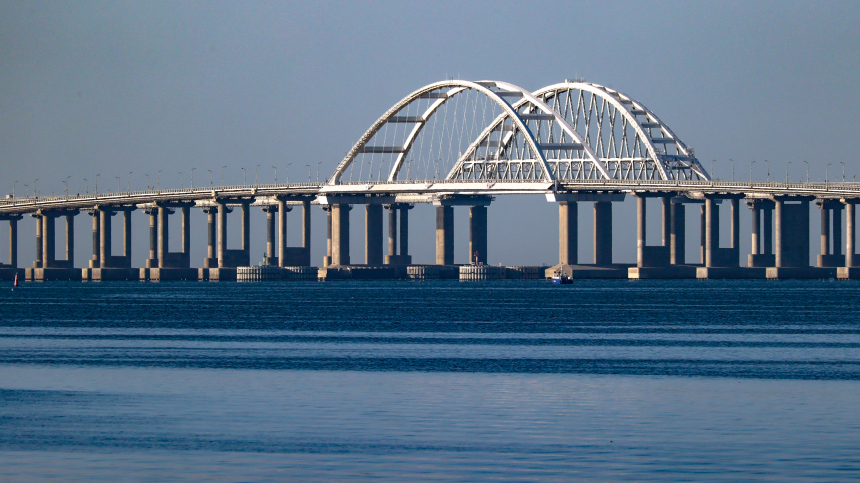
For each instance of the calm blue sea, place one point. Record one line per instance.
(411, 381)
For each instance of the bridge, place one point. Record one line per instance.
(462, 143)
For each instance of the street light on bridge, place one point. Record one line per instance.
(733, 168)
(786, 170)
(309, 172)
(752, 162)
(192, 177)
(276, 173)
(181, 180)
(35, 191)
(67, 185)
(147, 181)
(96, 190)
(288, 172)
(118, 184)
(244, 177)
(88, 185)
(843, 170)
(128, 186)
(256, 168)
(826, 173)
(211, 178)
(13, 187)
(159, 179)
(222, 175)
(807, 170)
(768, 169)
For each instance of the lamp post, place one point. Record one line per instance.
(88, 185)
(826, 173)
(751, 165)
(843, 170)
(35, 190)
(96, 189)
(768, 169)
(222, 175)
(13, 187)
(786, 170)
(159, 180)
(318, 170)
(128, 186)
(276, 173)
(67, 185)
(712, 171)
(181, 179)
(733, 168)
(192, 177)
(147, 181)
(309, 172)
(288, 172)
(118, 184)
(244, 176)
(256, 168)
(211, 178)
(807, 170)
(28, 190)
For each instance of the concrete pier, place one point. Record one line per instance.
(9, 270)
(568, 230)
(791, 247)
(603, 233)
(762, 234)
(831, 234)
(444, 235)
(340, 233)
(403, 257)
(373, 234)
(850, 271)
(478, 234)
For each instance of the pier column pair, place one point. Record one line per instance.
(762, 233)
(714, 255)
(568, 233)
(102, 250)
(159, 236)
(831, 234)
(478, 239)
(653, 255)
(233, 258)
(403, 257)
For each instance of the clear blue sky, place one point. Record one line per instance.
(113, 87)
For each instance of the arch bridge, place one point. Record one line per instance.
(461, 143)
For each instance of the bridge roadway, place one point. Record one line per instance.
(779, 244)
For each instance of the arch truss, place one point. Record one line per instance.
(490, 130)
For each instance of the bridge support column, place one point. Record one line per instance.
(282, 233)
(152, 261)
(246, 231)
(306, 228)
(270, 211)
(640, 231)
(340, 233)
(48, 240)
(836, 209)
(678, 242)
(568, 230)
(444, 235)
(327, 257)
(163, 236)
(70, 240)
(478, 234)
(404, 233)
(850, 237)
(603, 233)
(211, 261)
(96, 260)
(13, 241)
(126, 234)
(221, 211)
(105, 236)
(373, 234)
(756, 226)
(39, 250)
(712, 230)
(392, 230)
(792, 233)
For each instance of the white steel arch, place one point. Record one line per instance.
(650, 131)
(443, 91)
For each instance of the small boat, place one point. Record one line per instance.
(16, 280)
(560, 278)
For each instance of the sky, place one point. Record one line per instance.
(98, 90)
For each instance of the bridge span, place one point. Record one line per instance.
(461, 143)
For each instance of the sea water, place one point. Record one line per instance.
(410, 381)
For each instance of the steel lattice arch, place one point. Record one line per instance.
(496, 131)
